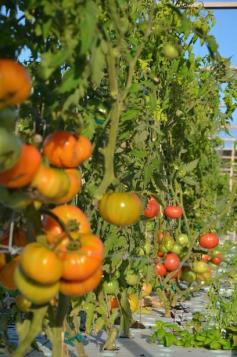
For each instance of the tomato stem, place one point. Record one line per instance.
(34, 330)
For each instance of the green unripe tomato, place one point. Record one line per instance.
(183, 240)
(170, 51)
(147, 248)
(188, 276)
(111, 287)
(200, 267)
(177, 249)
(132, 279)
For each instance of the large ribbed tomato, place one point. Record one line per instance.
(24, 170)
(37, 293)
(15, 83)
(120, 208)
(51, 182)
(74, 219)
(172, 262)
(209, 240)
(80, 288)
(81, 263)
(173, 212)
(66, 149)
(40, 264)
(74, 187)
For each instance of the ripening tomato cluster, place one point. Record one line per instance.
(72, 268)
(171, 252)
(68, 257)
(57, 182)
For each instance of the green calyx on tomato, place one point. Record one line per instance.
(111, 287)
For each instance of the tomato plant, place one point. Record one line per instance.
(120, 208)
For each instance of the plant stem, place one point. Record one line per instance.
(57, 342)
(35, 329)
(110, 342)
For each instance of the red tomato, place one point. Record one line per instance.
(205, 258)
(152, 209)
(216, 260)
(209, 240)
(173, 212)
(172, 262)
(160, 269)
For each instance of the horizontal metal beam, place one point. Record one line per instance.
(214, 5)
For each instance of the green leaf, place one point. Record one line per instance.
(97, 66)
(187, 168)
(90, 310)
(88, 16)
(169, 339)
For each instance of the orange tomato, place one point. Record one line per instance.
(66, 149)
(75, 220)
(75, 186)
(15, 83)
(50, 182)
(80, 288)
(24, 170)
(7, 274)
(81, 263)
(40, 264)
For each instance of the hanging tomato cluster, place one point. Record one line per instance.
(67, 258)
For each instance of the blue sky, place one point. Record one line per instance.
(225, 32)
